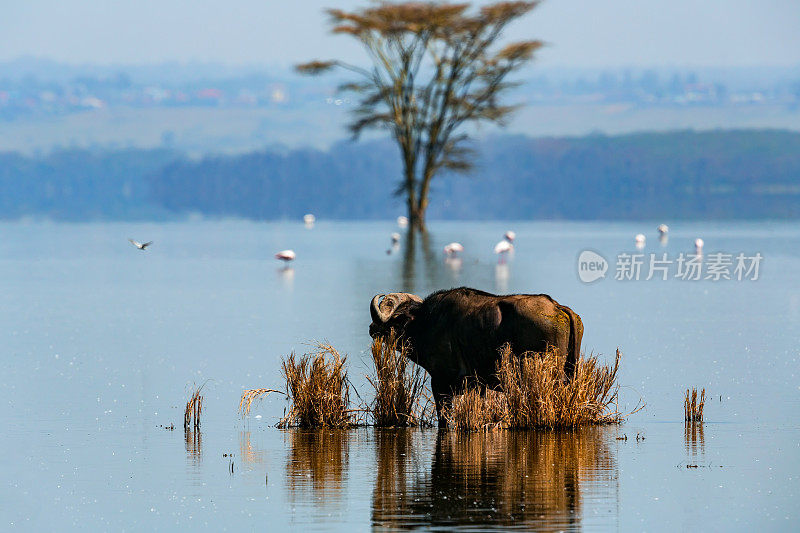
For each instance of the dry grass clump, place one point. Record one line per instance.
(693, 410)
(478, 409)
(534, 392)
(251, 395)
(194, 407)
(317, 388)
(400, 397)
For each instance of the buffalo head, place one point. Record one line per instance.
(393, 311)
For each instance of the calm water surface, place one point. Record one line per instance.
(100, 343)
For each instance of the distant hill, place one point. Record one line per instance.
(711, 175)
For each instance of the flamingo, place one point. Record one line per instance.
(140, 245)
(453, 249)
(309, 220)
(663, 229)
(510, 236)
(640, 240)
(286, 255)
(402, 222)
(503, 249)
(395, 244)
(698, 246)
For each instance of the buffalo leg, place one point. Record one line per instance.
(441, 399)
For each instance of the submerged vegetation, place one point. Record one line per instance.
(693, 410)
(317, 388)
(401, 399)
(534, 392)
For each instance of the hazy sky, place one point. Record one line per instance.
(581, 33)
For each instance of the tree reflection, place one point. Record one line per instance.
(420, 244)
(523, 478)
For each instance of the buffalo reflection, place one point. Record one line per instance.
(522, 478)
(318, 460)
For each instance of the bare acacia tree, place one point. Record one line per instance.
(435, 68)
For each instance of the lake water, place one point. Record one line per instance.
(102, 342)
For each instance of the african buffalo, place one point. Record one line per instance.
(456, 334)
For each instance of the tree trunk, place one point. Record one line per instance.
(422, 199)
(411, 194)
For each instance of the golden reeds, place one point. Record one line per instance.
(251, 395)
(534, 392)
(194, 407)
(693, 410)
(478, 409)
(399, 384)
(317, 388)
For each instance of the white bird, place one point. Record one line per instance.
(395, 244)
(140, 245)
(510, 236)
(663, 229)
(402, 221)
(453, 248)
(309, 220)
(640, 240)
(698, 246)
(286, 255)
(503, 249)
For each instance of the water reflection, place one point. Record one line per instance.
(286, 275)
(417, 242)
(501, 275)
(317, 460)
(531, 479)
(194, 445)
(694, 442)
(454, 265)
(248, 453)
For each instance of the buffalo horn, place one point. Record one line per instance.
(396, 298)
(375, 311)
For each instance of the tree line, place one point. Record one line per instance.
(678, 175)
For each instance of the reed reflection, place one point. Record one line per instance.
(249, 454)
(529, 479)
(694, 442)
(317, 460)
(194, 445)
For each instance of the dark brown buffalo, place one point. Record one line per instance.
(457, 333)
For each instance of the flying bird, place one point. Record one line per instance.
(140, 245)
(286, 255)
